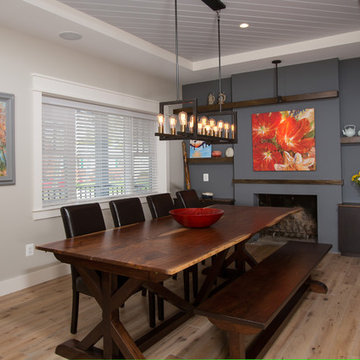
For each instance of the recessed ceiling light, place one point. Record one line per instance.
(244, 25)
(70, 35)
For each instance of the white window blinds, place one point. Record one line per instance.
(91, 152)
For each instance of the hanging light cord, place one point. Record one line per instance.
(177, 54)
(219, 48)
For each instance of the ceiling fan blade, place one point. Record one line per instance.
(214, 4)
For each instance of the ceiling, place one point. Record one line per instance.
(140, 33)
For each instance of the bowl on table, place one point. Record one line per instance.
(196, 217)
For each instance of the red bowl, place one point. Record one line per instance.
(196, 217)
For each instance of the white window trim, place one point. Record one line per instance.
(47, 85)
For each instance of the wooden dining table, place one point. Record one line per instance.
(148, 253)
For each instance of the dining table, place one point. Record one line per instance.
(148, 253)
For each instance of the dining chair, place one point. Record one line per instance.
(81, 220)
(160, 205)
(127, 212)
(189, 199)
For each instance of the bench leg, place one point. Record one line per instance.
(236, 345)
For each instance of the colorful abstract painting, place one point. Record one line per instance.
(3, 171)
(199, 149)
(284, 141)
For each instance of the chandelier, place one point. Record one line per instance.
(189, 125)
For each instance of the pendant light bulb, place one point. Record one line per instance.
(183, 120)
(161, 121)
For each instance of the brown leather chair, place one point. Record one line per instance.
(160, 205)
(81, 220)
(126, 212)
(189, 199)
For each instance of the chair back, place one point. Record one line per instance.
(82, 219)
(160, 204)
(126, 211)
(189, 199)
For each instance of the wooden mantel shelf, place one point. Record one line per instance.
(292, 181)
(265, 101)
(213, 160)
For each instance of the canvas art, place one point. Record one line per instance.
(199, 149)
(284, 141)
(7, 163)
(3, 169)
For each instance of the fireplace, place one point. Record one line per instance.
(301, 226)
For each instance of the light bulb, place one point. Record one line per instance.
(226, 128)
(203, 120)
(161, 120)
(207, 129)
(199, 128)
(172, 121)
(220, 125)
(191, 123)
(212, 123)
(183, 120)
(232, 131)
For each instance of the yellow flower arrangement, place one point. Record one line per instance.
(356, 178)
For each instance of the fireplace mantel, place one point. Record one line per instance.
(288, 181)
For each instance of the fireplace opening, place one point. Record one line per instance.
(301, 226)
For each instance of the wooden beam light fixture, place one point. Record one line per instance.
(190, 126)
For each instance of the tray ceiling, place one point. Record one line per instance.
(140, 33)
(272, 22)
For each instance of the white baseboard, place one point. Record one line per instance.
(24, 281)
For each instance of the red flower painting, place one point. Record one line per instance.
(284, 141)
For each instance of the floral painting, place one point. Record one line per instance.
(284, 141)
(2, 138)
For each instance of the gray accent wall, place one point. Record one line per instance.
(220, 175)
(349, 109)
(334, 161)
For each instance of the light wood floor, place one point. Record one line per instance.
(35, 320)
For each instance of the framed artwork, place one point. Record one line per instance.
(284, 141)
(199, 149)
(7, 155)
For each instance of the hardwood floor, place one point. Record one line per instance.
(33, 321)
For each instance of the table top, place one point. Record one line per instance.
(164, 246)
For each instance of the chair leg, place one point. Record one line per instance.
(75, 312)
(186, 275)
(143, 292)
(152, 322)
(160, 302)
(194, 271)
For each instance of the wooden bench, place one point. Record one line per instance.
(259, 301)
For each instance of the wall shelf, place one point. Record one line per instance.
(266, 101)
(213, 160)
(350, 140)
(292, 181)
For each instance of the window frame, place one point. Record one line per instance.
(46, 85)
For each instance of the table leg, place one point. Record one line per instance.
(213, 273)
(103, 286)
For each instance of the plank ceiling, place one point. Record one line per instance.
(272, 22)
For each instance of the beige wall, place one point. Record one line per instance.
(21, 56)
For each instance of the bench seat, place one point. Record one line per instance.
(251, 303)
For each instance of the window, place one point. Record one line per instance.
(91, 152)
